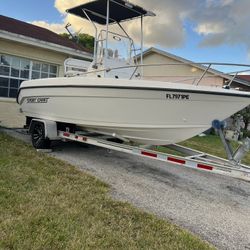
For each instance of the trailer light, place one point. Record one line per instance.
(176, 160)
(66, 134)
(149, 154)
(206, 167)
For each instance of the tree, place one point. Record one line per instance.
(245, 113)
(246, 116)
(85, 40)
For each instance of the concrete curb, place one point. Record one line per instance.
(8, 100)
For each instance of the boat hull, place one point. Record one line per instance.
(142, 114)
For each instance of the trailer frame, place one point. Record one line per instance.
(195, 159)
(189, 158)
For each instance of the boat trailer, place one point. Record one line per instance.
(44, 130)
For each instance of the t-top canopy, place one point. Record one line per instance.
(120, 10)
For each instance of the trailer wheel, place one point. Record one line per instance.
(38, 136)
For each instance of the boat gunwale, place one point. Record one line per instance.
(197, 91)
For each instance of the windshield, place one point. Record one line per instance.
(120, 47)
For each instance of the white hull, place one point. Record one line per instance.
(146, 112)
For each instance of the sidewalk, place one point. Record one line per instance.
(10, 116)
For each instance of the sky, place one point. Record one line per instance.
(198, 30)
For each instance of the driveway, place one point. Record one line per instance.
(215, 207)
(9, 114)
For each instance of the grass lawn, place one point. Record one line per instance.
(211, 144)
(48, 204)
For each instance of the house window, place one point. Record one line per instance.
(43, 70)
(14, 70)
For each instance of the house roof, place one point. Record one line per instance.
(197, 65)
(244, 77)
(32, 31)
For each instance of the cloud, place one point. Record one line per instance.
(55, 27)
(166, 29)
(223, 22)
(216, 21)
(63, 5)
(78, 24)
(210, 28)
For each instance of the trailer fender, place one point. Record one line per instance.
(50, 128)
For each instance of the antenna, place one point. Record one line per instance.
(75, 38)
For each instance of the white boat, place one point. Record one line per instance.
(115, 102)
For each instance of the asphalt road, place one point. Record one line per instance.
(215, 207)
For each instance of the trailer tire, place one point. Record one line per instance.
(38, 136)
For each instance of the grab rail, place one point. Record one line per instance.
(201, 65)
